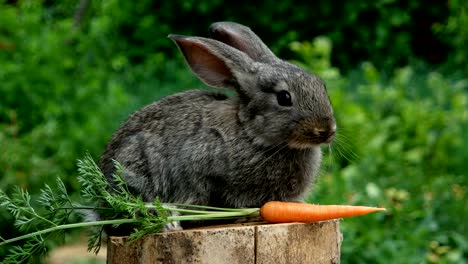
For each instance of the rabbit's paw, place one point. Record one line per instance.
(172, 226)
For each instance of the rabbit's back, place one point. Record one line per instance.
(165, 144)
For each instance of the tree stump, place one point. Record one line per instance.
(248, 243)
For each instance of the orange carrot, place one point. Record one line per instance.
(287, 212)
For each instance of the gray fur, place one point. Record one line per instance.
(202, 147)
(243, 39)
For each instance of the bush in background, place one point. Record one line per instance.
(455, 32)
(401, 146)
(359, 29)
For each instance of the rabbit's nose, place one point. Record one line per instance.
(313, 132)
(326, 133)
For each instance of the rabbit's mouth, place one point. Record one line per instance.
(308, 136)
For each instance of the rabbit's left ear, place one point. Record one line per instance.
(215, 63)
(243, 39)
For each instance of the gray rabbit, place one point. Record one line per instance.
(207, 148)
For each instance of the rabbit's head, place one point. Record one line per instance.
(279, 103)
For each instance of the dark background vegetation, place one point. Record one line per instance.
(397, 74)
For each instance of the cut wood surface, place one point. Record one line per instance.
(248, 243)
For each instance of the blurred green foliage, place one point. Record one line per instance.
(401, 146)
(455, 31)
(358, 29)
(397, 77)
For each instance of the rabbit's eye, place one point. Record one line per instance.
(284, 98)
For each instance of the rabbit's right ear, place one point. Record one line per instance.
(215, 63)
(243, 39)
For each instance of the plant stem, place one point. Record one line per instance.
(68, 226)
(252, 212)
(87, 208)
(199, 215)
(207, 207)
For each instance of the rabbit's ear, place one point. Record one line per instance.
(213, 62)
(243, 39)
